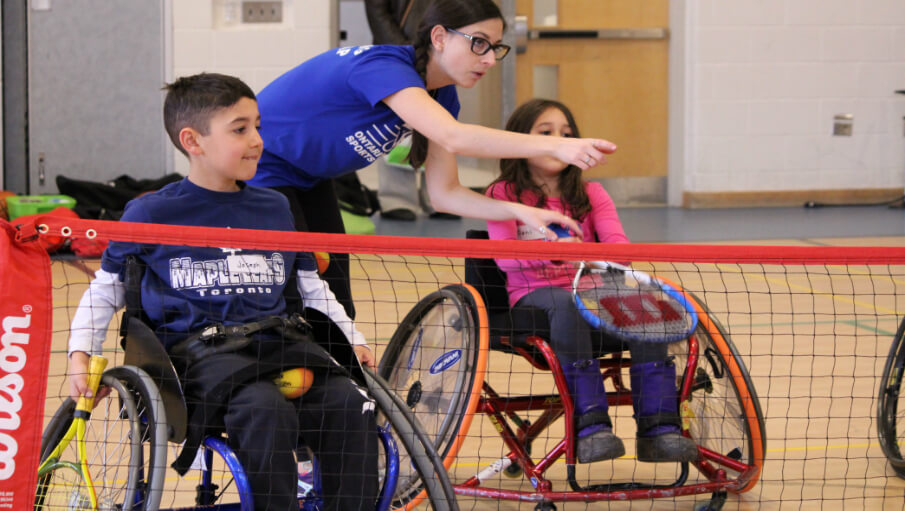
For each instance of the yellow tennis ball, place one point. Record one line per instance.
(323, 261)
(294, 382)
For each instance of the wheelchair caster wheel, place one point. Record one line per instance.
(513, 471)
(545, 506)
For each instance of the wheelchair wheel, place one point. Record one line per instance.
(126, 448)
(435, 362)
(723, 413)
(420, 454)
(890, 408)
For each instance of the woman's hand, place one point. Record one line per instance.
(584, 153)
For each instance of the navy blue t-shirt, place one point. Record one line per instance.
(188, 288)
(325, 117)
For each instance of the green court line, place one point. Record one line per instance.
(853, 323)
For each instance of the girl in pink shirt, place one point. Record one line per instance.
(545, 182)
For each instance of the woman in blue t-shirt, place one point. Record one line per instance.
(340, 111)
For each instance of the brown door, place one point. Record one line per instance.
(611, 72)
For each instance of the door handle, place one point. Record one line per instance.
(42, 174)
(598, 33)
(523, 34)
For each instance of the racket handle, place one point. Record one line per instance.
(560, 231)
(96, 366)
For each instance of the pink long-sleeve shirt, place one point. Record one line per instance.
(523, 275)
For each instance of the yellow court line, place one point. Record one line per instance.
(814, 292)
(561, 460)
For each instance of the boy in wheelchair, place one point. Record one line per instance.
(548, 183)
(228, 380)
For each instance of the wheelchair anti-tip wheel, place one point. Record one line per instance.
(721, 412)
(435, 362)
(890, 405)
(126, 448)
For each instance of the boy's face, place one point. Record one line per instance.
(231, 149)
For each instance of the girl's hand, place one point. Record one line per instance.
(540, 218)
(584, 153)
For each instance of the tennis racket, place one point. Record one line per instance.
(64, 484)
(632, 305)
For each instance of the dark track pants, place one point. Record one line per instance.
(573, 339)
(334, 419)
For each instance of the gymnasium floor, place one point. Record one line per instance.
(818, 398)
(822, 452)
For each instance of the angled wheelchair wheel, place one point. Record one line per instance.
(890, 405)
(415, 443)
(435, 362)
(126, 448)
(721, 411)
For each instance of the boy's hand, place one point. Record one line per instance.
(78, 374)
(365, 356)
(78, 378)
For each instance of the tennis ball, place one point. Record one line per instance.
(323, 261)
(294, 382)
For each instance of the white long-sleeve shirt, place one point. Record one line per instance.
(106, 295)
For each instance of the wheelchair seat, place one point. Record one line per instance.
(510, 328)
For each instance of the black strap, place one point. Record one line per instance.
(133, 272)
(219, 338)
(649, 422)
(592, 418)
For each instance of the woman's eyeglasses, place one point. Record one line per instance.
(480, 46)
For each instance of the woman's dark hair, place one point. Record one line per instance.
(446, 13)
(515, 174)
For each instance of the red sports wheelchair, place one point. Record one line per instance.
(436, 362)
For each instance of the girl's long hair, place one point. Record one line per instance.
(446, 13)
(514, 173)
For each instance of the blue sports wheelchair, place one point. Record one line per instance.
(130, 431)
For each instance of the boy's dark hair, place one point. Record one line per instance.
(192, 100)
(446, 13)
(515, 174)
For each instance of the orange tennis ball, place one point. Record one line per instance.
(294, 382)
(323, 261)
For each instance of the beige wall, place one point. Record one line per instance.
(758, 82)
(256, 53)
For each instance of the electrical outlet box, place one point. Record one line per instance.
(843, 124)
(262, 12)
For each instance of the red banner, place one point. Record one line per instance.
(25, 334)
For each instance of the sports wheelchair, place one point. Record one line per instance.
(130, 429)
(437, 359)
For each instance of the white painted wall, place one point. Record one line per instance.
(756, 84)
(256, 53)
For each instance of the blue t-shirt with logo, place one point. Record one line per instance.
(325, 117)
(186, 289)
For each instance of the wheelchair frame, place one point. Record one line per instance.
(144, 485)
(712, 365)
